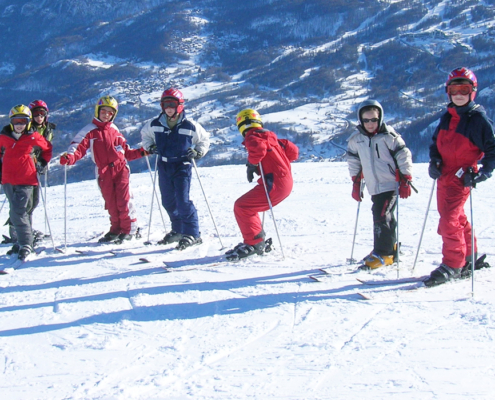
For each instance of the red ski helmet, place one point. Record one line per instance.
(463, 74)
(35, 104)
(173, 94)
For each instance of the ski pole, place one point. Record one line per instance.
(424, 224)
(207, 204)
(153, 179)
(65, 207)
(397, 227)
(46, 213)
(271, 209)
(4, 200)
(46, 184)
(352, 260)
(473, 258)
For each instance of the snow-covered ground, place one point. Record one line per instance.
(97, 326)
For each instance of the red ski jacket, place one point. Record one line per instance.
(274, 154)
(108, 146)
(17, 156)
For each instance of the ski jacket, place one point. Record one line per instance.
(18, 156)
(46, 130)
(378, 157)
(172, 144)
(107, 145)
(274, 154)
(462, 138)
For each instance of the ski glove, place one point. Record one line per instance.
(357, 193)
(251, 170)
(67, 159)
(41, 166)
(472, 178)
(404, 184)
(435, 169)
(193, 154)
(153, 149)
(143, 152)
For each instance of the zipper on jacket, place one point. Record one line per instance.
(377, 151)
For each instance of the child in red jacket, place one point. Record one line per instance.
(274, 156)
(18, 146)
(110, 152)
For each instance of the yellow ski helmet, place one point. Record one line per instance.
(107, 101)
(21, 111)
(247, 119)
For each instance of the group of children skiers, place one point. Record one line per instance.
(377, 158)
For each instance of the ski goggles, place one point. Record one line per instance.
(19, 121)
(37, 113)
(107, 112)
(464, 90)
(366, 120)
(170, 104)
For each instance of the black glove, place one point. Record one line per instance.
(193, 154)
(472, 178)
(41, 166)
(251, 170)
(153, 149)
(435, 169)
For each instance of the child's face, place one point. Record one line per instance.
(170, 111)
(19, 124)
(370, 120)
(106, 114)
(457, 96)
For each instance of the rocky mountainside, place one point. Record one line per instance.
(303, 64)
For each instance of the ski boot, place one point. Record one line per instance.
(243, 250)
(188, 241)
(171, 237)
(374, 261)
(479, 264)
(14, 249)
(24, 252)
(109, 237)
(442, 274)
(123, 237)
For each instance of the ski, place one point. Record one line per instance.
(112, 253)
(384, 282)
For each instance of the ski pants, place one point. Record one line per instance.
(453, 225)
(384, 223)
(33, 204)
(174, 179)
(21, 206)
(247, 207)
(114, 184)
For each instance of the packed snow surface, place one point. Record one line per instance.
(102, 326)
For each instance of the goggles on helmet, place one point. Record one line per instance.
(169, 103)
(106, 112)
(37, 113)
(464, 90)
(19, 121)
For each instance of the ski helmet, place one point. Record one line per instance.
(107, 101)
(367, 104)
(37, 104)
(20, 111)
(462, 73)
(247, 119)
(173, 94)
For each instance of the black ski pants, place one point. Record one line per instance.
(21, 205)
(384, 222)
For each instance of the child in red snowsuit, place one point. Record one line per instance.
(273, 156)
(110, 152)
(463, 137)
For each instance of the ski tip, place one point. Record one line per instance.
(144, 260)
(148, 243)
(3, 272)
(364, 296)
(58, 249)
(323, 271)
(314, 278)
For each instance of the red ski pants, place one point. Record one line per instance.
(114, 186)
(247, 207)
(453, 226)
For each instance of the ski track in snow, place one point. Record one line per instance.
(103, 326)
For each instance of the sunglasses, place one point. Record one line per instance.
(19, 121)
(170, 104)
(464, 90)
(38, 113)
(366, 120)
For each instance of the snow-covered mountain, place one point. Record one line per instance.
(305, 65)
